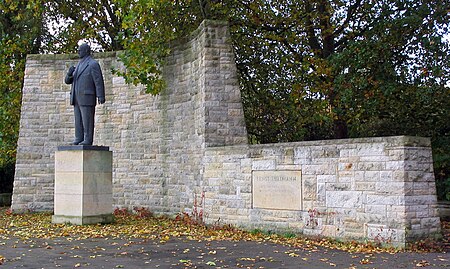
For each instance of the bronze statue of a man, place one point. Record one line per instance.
(87, 86)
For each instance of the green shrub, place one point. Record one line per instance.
(441, 163)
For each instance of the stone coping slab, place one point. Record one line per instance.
(83, 147)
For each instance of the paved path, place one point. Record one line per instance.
(183, 253)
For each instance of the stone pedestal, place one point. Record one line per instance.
(83, 185)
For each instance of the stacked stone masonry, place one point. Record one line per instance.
(377, 188)
(190, 140)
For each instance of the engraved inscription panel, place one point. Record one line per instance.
(277, 189)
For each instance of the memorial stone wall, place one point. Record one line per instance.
(190, 142)
(380, 189)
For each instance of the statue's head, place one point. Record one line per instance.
(84, 50)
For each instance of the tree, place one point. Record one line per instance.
(313, 69)
(21, 33)
(150, 27)
(37, 26)
(96, 21)
(339, 64)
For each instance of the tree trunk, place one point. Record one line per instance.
(340, 129)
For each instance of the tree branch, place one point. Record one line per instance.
(350, 12)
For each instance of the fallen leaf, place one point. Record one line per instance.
(422, 263)
(247, 259)
(291, 254)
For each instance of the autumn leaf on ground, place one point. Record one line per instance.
(247, 259)
(422, 263)
(162, 228)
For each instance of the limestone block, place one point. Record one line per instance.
(420, 200)
(83, 185)
(386, 176)
(264, 164)
(325, 152)
(309, 187)
(372, 176)
(392, 188)
(344, 199)
(365, 186)
(319, 169)
(370, 149)
(384, 234)
(342, 186)
(326, 178)
(375, 209)
(371, 166)
(385, 199)
(348, 152)
(321, 194)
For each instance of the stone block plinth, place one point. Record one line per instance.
(83, 185)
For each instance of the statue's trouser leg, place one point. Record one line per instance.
(87, 115)
(79, 131)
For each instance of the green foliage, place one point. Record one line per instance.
(7, 177)
(390, 80)
(323, 69)
(289, 235)
(20, 28)
(441, 158)
(98, 22)
(148, 29)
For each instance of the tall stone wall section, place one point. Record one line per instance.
(190, 142)
(157, 141)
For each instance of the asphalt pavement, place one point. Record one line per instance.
(184, 253)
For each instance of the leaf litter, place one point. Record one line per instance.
(147, 226)
(129, 226)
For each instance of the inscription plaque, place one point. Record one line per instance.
(277, 189)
